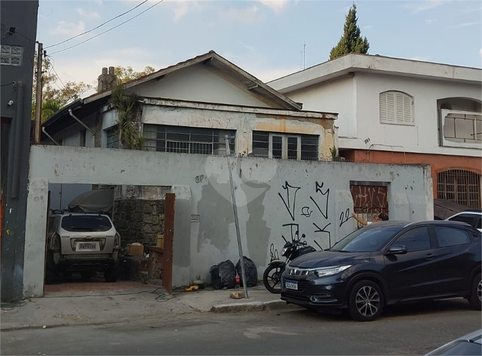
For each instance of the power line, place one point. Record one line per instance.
(95, 28)
(112, 28)
(55, 72)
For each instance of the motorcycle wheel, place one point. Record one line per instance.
(272, 278)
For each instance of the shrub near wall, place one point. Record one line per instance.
(139, 220)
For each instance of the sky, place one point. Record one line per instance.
(267, 38)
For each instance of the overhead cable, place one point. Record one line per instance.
(95, 28)
(110, 29)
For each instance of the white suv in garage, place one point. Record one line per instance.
(85, 243)
(471, 217)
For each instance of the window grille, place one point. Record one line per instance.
(285, 146)
(396, 108)
(462, 127)
(112, 137)
(11, 55)
(179, 139)
(460, 186)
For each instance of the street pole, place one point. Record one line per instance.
(38, 98)
(236, 221)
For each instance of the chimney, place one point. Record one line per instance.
(107, 80)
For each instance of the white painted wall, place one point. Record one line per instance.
(337, 96)
(243, 123)
(199, 83)
(272, 195)
(356, 100)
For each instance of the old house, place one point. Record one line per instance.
(188, 117)
(400, 111)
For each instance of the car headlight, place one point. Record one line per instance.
(329, 271)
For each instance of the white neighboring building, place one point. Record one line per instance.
(402, 111)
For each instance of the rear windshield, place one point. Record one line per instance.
(86, 223)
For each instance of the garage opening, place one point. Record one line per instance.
(107, 237)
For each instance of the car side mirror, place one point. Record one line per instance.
(397, 250)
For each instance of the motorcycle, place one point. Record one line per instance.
(291, 250)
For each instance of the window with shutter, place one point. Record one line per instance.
(396, 108)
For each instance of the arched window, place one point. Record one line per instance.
(396, 108)
(460, 186)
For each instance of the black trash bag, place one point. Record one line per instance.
(250, 271)
(223, 275)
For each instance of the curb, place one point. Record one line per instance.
(248, 306)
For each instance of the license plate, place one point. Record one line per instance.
(291, 285)
(87, 246)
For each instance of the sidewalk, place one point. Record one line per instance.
(140, 302)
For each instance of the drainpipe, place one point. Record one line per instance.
(45, 132)
(80, 122)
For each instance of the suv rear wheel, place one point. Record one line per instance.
(110, 274)
(87, 275)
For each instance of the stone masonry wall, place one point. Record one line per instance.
(139, 220)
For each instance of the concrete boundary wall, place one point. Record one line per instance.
(275, 198)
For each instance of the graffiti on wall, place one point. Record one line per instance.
(369, 198)
(308, 213)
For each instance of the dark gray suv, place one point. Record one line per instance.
(389, 262)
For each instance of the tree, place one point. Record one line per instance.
(127, 74)
(128, 118)
(351, 41)
(55, 94)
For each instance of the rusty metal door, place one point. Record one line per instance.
(369, 199)
(168, 242)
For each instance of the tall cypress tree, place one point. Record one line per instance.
(351, 41)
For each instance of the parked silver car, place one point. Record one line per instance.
(85, 243)
(470, 344)
(471, 217)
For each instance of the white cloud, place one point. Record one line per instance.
(418, 6)
(480, 52)
(89, 15)
(180, 11)
(88, 68)
(430, 21)
(276, 5)
(245, 16)
(68, 28)
(466, 24)
(182, 7)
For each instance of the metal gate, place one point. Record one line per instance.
(460, 186)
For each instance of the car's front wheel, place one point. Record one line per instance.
(366, 301)
(475, 299)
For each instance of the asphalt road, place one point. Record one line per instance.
(404, 330)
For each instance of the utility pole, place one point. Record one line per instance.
(38, 98)
(236, 220)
